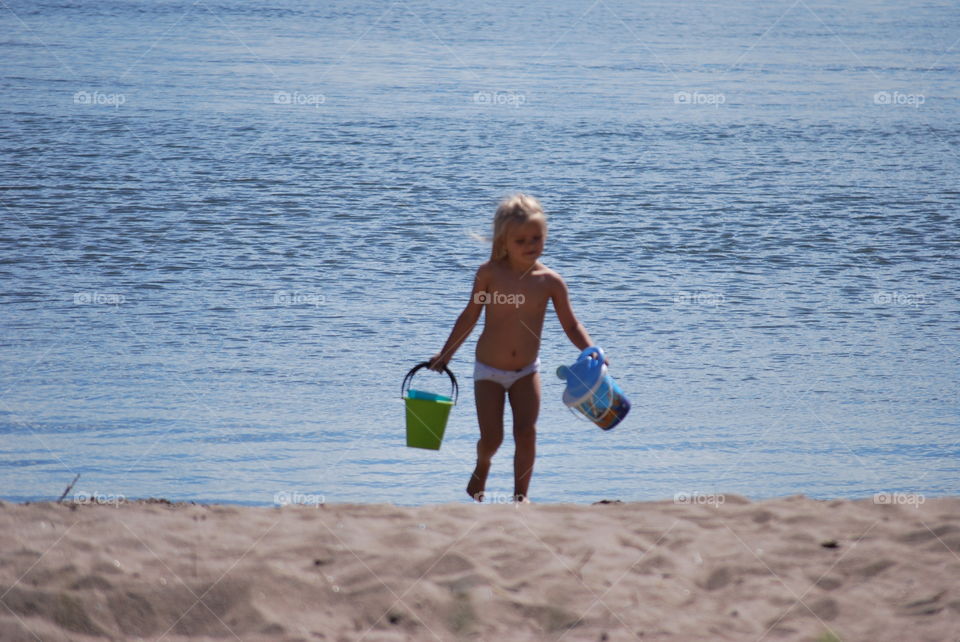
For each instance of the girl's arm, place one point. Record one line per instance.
(561, 303)
(465, 322)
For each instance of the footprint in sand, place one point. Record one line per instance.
(927, 534)
(930, 605)
(718, 579)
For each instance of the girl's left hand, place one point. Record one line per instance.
(437, 363)
(606, 360)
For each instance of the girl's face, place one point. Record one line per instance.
(525, 241)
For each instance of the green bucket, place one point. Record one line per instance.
(427, 413)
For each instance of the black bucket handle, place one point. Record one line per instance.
(426, 364)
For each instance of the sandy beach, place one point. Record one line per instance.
(784, 569)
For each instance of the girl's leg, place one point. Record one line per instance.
(525, 402)
(490, 402)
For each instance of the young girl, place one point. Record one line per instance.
(513, 287)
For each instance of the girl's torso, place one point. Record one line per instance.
(514, 312)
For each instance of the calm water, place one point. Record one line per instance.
(227, 230)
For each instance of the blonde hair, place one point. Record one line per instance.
(519, 209)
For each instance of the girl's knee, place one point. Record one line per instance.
(525, 431)
(490, 444)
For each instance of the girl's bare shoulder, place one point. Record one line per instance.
(552, 282)
(486, 272)
(486, 268)
(548, 274)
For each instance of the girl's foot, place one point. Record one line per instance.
(478, 481)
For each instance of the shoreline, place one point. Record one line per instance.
(790, 568)
(491, 499)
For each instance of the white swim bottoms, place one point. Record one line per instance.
(505, 378)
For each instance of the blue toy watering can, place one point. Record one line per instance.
(593, 392)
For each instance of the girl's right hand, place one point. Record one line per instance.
(437, 362)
